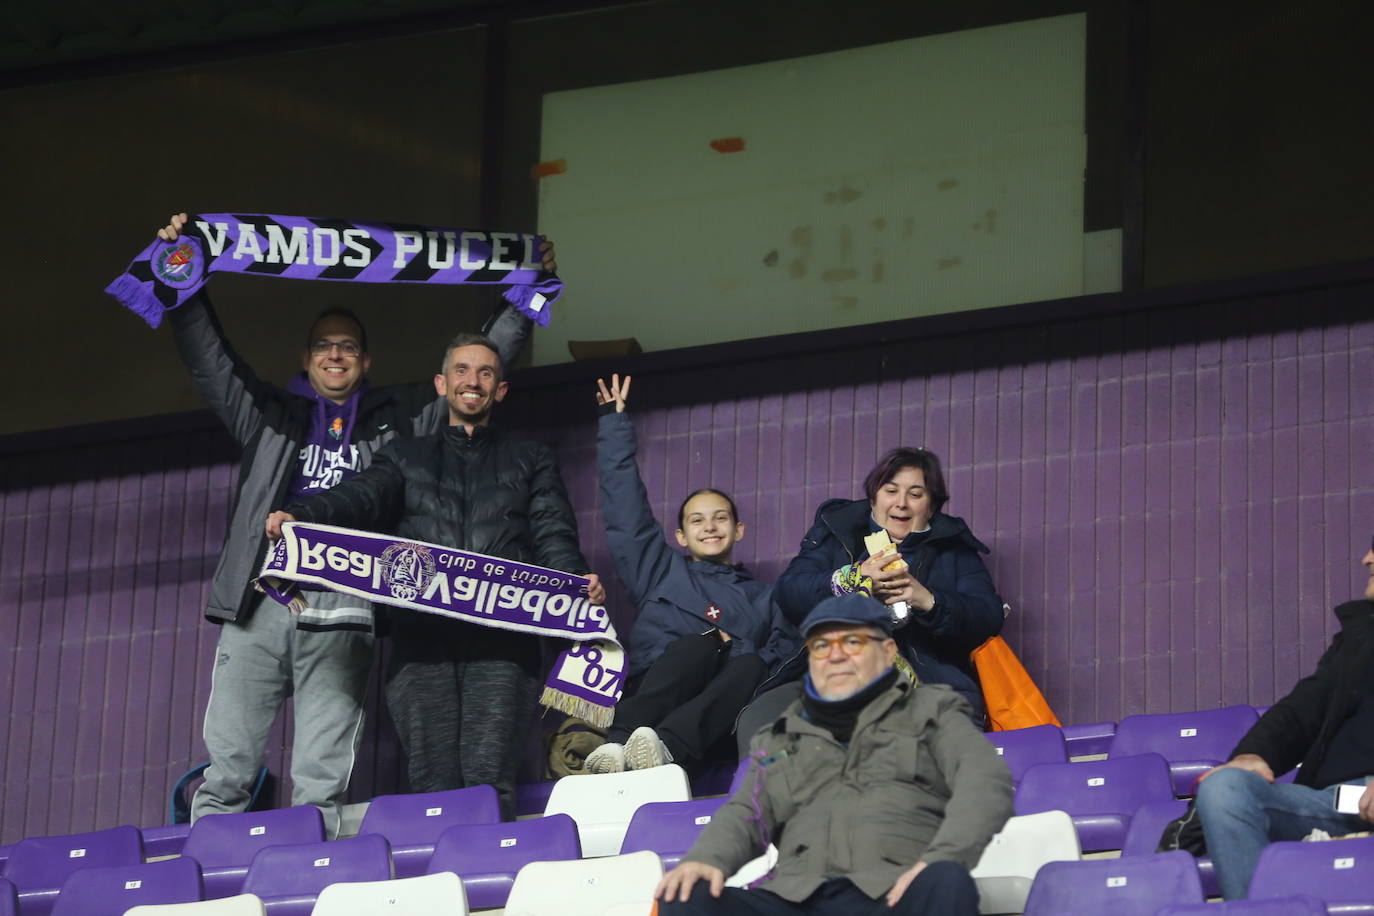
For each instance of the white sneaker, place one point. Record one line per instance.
(609, 758)
(643, 750)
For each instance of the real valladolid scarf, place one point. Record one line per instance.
(586, 680)
(166, 274)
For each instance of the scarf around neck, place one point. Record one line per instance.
(840, 716)
(166, 274)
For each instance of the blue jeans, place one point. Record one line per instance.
(1241, 814)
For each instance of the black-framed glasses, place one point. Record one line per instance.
(849, 643)
(346, 347)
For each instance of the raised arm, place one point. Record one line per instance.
(642, 556)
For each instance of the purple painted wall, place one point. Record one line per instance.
(1174, 498)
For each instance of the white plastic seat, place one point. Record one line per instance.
(241, 905)
(606, 886)
(440, 894)
(1008, 865)
(602, 805)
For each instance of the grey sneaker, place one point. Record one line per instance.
(643, 750)
(609, 758)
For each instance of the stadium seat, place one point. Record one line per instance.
(1099, 795)
(100, 891)
(240, 905)
(224, 844)
(1136, 886)
(1277, 906)
(606, 886)
(1008, 866)
(488, 856)
(412, 823)
(741, 771)
(532, 797)
(9, 899)
(1021, 748)
(668, 828)
(1087, 740)
(1147, 827)
(602, 805)
(289, 878)
(1192, 742)
(439, 894)
(165, 840)
(39, 866)
(1340, 873)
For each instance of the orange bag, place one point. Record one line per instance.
(1011, 696)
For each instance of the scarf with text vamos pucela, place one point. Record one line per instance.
(166, 274)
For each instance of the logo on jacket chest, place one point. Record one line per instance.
(713, 613)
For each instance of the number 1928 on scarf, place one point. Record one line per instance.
(166, 274)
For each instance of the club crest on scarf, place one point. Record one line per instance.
(179, 263)
(407, 569)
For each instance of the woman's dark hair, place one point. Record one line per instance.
(924, 460)
(682, 510)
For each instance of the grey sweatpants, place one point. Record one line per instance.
(462, 698)
(257, 666)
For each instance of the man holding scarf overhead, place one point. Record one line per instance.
(461, 694)
(322, 428)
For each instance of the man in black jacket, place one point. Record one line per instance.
(318, 430)
(1326, 724)
(461, 694)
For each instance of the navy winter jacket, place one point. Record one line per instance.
(675, 594)
(967, 612)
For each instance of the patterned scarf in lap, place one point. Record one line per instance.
(166, 274)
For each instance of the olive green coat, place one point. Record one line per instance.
(917, 783)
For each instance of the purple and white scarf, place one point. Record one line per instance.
(489, 591)
(166, 274)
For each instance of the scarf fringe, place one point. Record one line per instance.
(137, 296)
(597, 715)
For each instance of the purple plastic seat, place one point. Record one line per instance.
(1147, 826)
(532, 797)
(9, 899)
(1277, 906)
(289, 878)
(1137, 886)
(1086, 740)
(413, 823)
(487, 856)
(166, 840)
(741, 771)
(1192, 742)
(1340, 873)
(1100, 795)
(668, 828)
(224, 844)
(38, 867)
(714, 778)
(1022, 748)
(111, 891)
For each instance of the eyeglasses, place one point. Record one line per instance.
(850, 643)
(346, 347)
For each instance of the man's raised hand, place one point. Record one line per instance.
(618, 393)
(169, 232)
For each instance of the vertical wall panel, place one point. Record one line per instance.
(1174, 501)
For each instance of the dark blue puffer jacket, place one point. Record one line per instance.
(676, 595)
(967, 612)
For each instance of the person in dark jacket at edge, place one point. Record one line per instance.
(880, 795)
(942, 599)
(1324, 726)
(322, 428)
(707, 631)
(461, 694)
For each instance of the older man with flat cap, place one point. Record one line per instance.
(878, 793)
